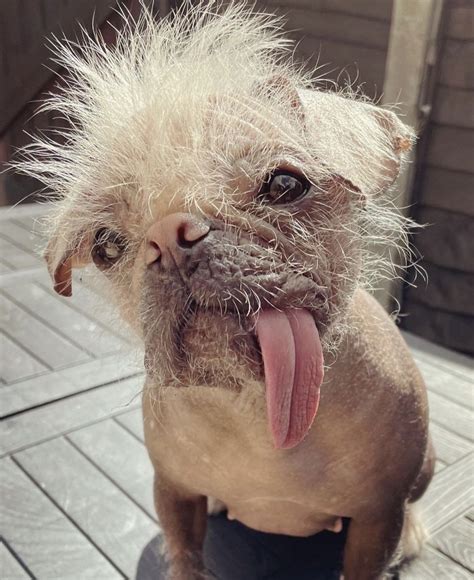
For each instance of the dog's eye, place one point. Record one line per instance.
(108, 247)
(283, 186)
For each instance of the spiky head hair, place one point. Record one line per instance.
(186, 106)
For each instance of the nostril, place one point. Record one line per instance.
(189, 234)
(153, 253)
(155, 247)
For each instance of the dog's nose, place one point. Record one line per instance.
(170, 240)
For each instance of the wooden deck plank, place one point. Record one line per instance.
(122, 457)
(63, 416)
(56, 385)
(133, 422)
(432, 565)
(16, 257)
(27, 239)
(452, 416)
(457, 541)
(23, 276)
(86, 301)
(4, 267)
(45, 344)
(29, 211)
(449, 447)
(449, 494)
(439, 356)
(44, 539)
(439, 465)
(91, 304)
(451, 386)
(17, 364)
(34, 224)
(54, 311)
(88, 497)
(10, 568)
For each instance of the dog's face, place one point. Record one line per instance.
(207, 185)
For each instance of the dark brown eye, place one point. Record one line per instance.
(283, 186)
(108, 248)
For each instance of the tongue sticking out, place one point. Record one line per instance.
(293, 363)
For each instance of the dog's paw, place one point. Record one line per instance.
(189, 567)
(414, 534)
(413, 538)
(215, 506)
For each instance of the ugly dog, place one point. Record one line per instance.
(232, 210)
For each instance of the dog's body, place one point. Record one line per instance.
(363, 457)
(233, 212)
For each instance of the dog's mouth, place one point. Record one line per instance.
(289, 345)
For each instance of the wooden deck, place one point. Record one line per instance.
(75, 479)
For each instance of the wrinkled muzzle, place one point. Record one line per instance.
(221, 307)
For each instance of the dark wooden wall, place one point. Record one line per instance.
(443, 310)
(348, 38)
(25, 26)
(27, 71)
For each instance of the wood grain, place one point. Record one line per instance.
(89, 497)
(10, 567)
(133, 422)
(46, 540)
(456, 541)
(63, 416)
(454, 69)
(449, 329)
(447, 241)
(452, 416)
(52, 349)
(448, 190)
(449, 447)
(79, 329)
(17, 363)
(457, 389)
(16, 257)
(451, 148)
(449, 494)
(433, 565)
(55, 385)
(121, 457)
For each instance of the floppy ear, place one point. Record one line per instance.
(362, 143)
(61, 258)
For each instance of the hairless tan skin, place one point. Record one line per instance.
(362, 458)
(231, 211)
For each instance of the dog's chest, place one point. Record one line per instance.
(223, 452)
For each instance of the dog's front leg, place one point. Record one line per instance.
(183, 520)
(371, 544)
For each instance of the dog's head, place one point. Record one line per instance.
(219, 195)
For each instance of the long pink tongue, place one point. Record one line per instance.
(293, 364)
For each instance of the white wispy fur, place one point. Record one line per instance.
(140, 113)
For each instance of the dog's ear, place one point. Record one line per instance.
(62, 257)
(356, 140)
(281, 86)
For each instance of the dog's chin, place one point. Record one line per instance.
(219, 350)
(210, 348)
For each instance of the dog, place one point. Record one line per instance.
(234, 211)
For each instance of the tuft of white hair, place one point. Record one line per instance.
(120, 102)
